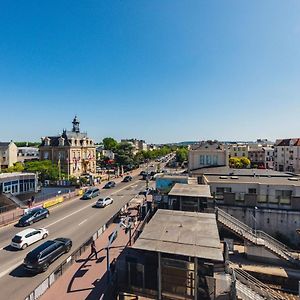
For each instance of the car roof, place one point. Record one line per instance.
(26, 231)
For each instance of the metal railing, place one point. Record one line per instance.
(46, 283)
(257, 237)
(259, 288)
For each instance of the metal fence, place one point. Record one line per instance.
(46, 284)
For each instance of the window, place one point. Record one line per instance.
(201, 159)
(208, 159)
(215, 159)
(221, 190)
(251, 191)
(283, 196)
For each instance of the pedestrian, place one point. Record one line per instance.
(93, 250)
(113, 266)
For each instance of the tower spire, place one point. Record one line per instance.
(76, 125)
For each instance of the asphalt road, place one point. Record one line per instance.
(76, 219)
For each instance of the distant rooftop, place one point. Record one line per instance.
(191, 190)
(290, 181)
(182, 233)
(239, 172)
(14, 174)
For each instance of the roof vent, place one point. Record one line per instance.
(293, 178)
(234, 177)
(223, 177)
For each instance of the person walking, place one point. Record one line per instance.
(93, 250)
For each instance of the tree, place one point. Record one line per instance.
(182, 155)
(109, 143)
(245, 161)
(17, 167)
(239, 162)
(45, 168)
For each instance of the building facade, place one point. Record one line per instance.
(73, 151)
(18, 183)
(238, 150)
(287, 155)
(208, 154)
(28, 153)
(8, 154)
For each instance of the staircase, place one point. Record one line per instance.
(248, 287)
(259, 238)
(15, 200)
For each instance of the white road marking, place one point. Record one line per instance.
(11, 268)
(69, 215)
(82, 222)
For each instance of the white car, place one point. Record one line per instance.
(27, 237)
(102, 202)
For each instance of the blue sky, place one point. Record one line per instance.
(162, 70)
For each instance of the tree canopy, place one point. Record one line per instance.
(239, 162)
(109, 143)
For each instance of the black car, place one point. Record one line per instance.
(34, 215)
(109, 185)
(127, 178)
(39, 259)
(142, 173)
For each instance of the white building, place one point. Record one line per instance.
(8, 154)
(207, 154)
(287, 155)
(28, 153)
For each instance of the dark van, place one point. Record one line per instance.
(91, 193)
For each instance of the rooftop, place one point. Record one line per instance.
(240, 172)
(191, 190)
(287, 181)
(14, 174)
(182, 233)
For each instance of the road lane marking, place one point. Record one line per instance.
(9, 269)
(82, 222)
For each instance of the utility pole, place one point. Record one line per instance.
(147, 174)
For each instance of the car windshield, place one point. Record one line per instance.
(17, 239)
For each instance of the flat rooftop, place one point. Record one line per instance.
(191, 190)
(14, 175)
(190, 234)
(288, 181)
(239, 172)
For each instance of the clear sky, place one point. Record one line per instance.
(161, 70)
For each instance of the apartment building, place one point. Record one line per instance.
(28, 153)
(287, 155)
(8, 154)
(238, 150)
(207, 154)
(138, 145)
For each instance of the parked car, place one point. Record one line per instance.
(127, 178)
(109, 185)
(104, 202)
(34, 215)
(39, 259)
(27, 237)
(91, 193)
(142, 173)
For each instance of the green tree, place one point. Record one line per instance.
(239, 162)
(17, 167)
(182, 154)
(45, 168)
(109, 143)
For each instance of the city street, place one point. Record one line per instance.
(76, 219)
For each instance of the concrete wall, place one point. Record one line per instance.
(269, 220)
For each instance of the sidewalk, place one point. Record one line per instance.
(87, 278)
